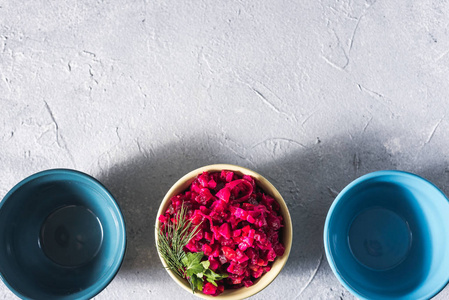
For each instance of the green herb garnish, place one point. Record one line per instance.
(198, 271)
(171, 241)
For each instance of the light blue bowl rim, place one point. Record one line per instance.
(121, 224)
(338, 198)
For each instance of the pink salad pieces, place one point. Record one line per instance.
(240, 230)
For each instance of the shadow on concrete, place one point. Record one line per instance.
(309, 178)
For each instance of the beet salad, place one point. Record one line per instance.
(235, 231)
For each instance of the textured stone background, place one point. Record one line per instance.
(311, 94)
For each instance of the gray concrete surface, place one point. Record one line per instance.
(311, 94)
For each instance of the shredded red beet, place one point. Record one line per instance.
(240, 229)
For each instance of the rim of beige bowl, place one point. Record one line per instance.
(287, 231)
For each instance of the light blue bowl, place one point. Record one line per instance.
(387, 237)
(62, 236)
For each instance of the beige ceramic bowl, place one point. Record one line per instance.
(287, 234)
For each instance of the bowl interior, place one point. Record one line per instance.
(61, 236)
(286, 233)
(386, 236)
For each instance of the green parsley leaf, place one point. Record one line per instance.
(198, 271)
(205, 264)
(196, 283)
(194, 269)
(192, 262)
(192, 259)
(211, 276)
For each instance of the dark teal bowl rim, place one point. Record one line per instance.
(350, 186)
(122, 225)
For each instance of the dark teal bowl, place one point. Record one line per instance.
(62, 236)
(387, 237)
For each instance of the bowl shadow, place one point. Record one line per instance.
(308, 178)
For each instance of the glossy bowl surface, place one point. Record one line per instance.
(62, 236)
(386, 236)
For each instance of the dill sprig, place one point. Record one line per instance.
(173, 238)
